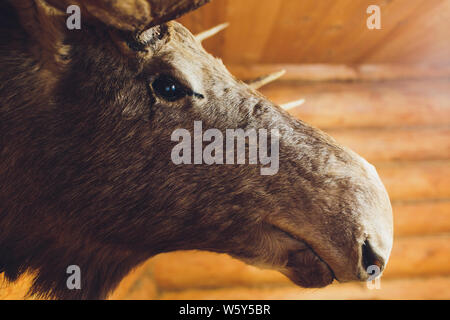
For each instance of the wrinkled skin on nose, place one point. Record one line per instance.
(324, 215)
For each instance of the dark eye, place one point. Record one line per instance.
(169, 89)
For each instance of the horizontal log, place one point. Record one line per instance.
(411, 257)
(421, 218)
(437, 288)
(363, 104)
(416, 180)
(419, 256)
(200, 269)
(396, 143)
(341, 72)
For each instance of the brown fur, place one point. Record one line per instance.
(86, 176)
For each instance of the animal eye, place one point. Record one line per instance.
(169, 89)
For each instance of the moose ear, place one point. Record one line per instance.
(45, 26)
(45, 20)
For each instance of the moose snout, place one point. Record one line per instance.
(376, 249)
(368, 260)
(342, 209)
(377, 225)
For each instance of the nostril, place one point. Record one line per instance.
(370, 258)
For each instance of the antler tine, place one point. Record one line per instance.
(211, 32)
(293, 104)
(264, 80)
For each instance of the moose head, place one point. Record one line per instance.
(86, 120)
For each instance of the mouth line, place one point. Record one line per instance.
(308, 247)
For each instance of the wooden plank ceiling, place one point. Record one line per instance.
(326, 31)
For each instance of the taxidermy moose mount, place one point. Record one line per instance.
(86, 118)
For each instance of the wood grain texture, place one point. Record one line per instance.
(416, 180)
(419, 256)
(327, 31)
(341, 72)
(421, 218)
(397, 144)
(409, 289)
(367, 105)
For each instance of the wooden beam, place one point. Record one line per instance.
(200, 269)
(421, 218)
(419, 256)
(341, 72)
(392, 144)
(408, 289)
(416, 180)
(362, 105)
